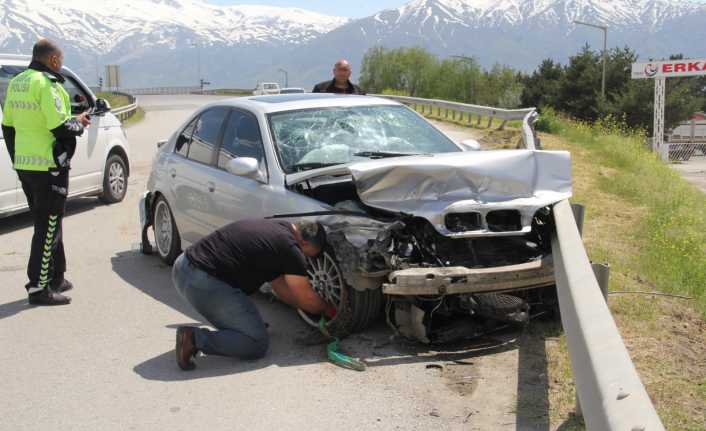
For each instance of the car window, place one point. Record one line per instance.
(241, 138)
(184, 139)
(206, 131)
(79, 98)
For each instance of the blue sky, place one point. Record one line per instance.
(353, 9)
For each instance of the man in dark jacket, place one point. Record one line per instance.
(340, 83)
(40, 135)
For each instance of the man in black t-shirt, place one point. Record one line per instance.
(218, 273)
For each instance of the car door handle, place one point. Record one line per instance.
(172, 172)
(211, 186)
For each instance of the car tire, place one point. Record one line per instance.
(114, 180)
(166, 234)
(356, 310)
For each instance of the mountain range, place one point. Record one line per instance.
(174, 42)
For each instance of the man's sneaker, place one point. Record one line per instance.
(64, 286)
(48, 297)
(185, 348)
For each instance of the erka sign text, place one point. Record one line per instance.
(669, 69)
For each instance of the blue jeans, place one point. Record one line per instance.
(241, 332)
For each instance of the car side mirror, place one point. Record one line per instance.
(244, 167)
(102, 106)
(470, 145)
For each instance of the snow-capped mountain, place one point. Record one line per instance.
(519, 33)
(162, 42)
(145, 35)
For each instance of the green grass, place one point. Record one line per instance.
(673, 232)
(138, 116)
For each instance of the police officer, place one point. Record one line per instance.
(40, 135)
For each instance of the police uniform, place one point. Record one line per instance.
(41, 138)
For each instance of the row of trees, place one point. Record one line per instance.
(574, 88)
(418, 73)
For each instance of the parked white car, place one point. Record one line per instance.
(100, 166)
(265, 88)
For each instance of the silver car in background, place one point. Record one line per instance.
(418, 225)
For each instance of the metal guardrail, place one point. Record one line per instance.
(528, 115)
(173, 91)
(609, 390)
(127, 111)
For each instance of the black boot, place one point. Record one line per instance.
(48, 297)
(63, 286)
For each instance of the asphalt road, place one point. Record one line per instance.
(107, 361)
(694, 171)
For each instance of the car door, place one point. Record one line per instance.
(9, 184)
(88, 161)
(238, 197)
(191, 170)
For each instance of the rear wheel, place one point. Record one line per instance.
(114, 180)
(166, 234)
(356, 310)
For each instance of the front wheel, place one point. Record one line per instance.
(356, 310)
(114, 180)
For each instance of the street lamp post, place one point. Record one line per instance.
(605, 49)
(286, 77)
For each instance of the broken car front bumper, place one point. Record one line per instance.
(459, 279)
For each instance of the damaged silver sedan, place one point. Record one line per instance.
(442, 240)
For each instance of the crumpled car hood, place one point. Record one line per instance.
(480, 181)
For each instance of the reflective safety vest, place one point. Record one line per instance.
(36, 103)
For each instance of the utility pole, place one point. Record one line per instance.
(605, 49)
(286, 77)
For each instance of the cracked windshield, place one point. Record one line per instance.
(323, 137)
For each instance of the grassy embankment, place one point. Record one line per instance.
(650, 226)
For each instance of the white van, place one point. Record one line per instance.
(100, 166)
(266, 88)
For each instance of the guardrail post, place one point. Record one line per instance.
(602, 272)
(502, 126)
(579, 215)
(478, 121)
(490, 120)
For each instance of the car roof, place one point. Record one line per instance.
(23, 61)
(297, 101)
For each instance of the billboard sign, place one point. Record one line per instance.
(669, 69)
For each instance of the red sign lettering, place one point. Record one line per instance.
(694, 67)
(680, 67)
(667, 68)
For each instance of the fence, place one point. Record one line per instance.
(172, 91)
(686, 141)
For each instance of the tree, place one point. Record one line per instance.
(579, 88)
(542, 87)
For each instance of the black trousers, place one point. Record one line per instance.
(46, 194)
